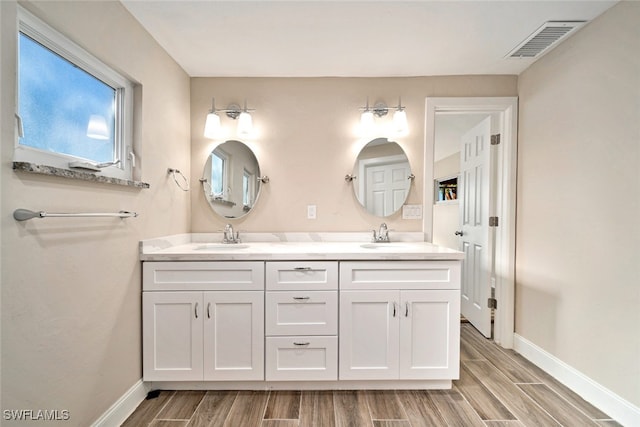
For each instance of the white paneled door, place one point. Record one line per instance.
(386, 187)
(475, 201)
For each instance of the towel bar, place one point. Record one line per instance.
(26, 214)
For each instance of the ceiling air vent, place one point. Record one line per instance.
(544, 38)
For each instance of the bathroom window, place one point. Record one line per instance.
(74, 112)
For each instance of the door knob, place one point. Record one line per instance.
(459, 233)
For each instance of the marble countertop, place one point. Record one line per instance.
(292, 247)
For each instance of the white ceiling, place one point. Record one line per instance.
(350, 38)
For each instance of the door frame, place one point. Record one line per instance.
(505, 194)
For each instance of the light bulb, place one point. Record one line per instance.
(367, 122)
(400, 125)
(212, 126)
(245, 124)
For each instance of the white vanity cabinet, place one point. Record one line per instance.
(399, 320)
(203, 321)
(301, 321)
(300, 314)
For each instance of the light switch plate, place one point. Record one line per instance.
(311, 211)
(412, 212)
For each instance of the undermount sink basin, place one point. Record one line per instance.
(382, 246)
(221, 247)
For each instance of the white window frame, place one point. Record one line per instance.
(44, 34)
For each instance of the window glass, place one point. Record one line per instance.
(246, 201)
(63, 108)
(217, 174)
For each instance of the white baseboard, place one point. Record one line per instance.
(123, 407)
(602, 398)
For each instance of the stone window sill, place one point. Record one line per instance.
(83, 176)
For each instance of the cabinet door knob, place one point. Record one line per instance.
(459, 233)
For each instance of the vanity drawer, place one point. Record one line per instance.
(301, 313)
(301, 358)
(312, 275)
(400, 275)
(202, 276)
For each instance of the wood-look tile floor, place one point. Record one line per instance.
(497, 388)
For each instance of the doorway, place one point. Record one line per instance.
(466, 112)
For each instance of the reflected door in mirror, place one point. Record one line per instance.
(382, 174)
(385, 187)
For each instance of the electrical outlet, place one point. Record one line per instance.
(311, 211)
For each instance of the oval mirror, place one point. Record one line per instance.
(231, 179)
(382, 177)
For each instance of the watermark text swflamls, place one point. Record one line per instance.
(36, 415)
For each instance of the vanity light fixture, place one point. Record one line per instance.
(213, 126)
(380, 109)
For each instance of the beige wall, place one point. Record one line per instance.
(578, 269)
(308, 144)
(71, 287)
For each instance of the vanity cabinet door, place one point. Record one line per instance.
(403, 334)
(369, 335)
(429, 334)
(233, 335)
(172, 336)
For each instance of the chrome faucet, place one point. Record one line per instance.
(229, 235)
(383, 234)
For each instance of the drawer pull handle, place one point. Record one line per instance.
(300, 298)
(302, 268)
(395, 308)
(196, 310)
(209, 311)
(406, 309)
(301, 344)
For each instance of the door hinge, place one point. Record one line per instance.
(493, 221)
(495, 139)
(492, 303)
